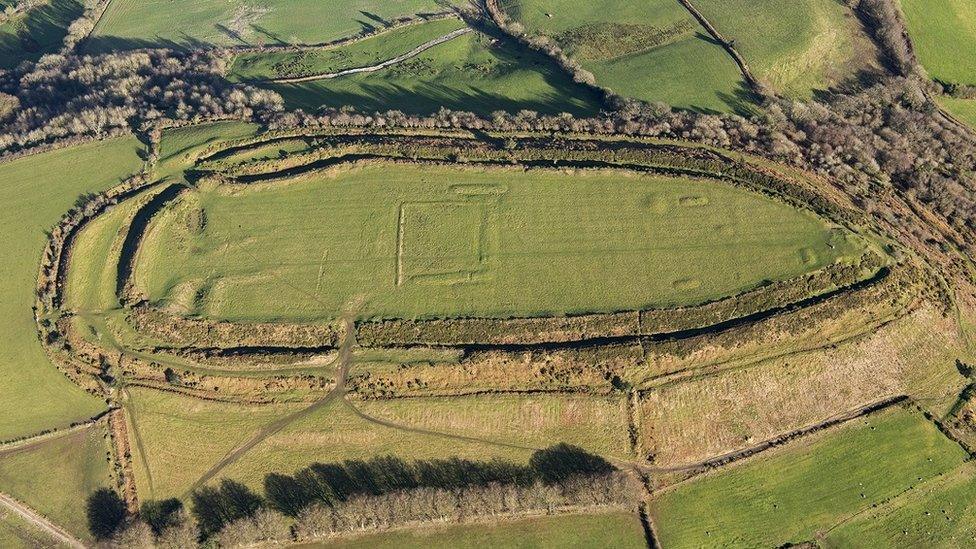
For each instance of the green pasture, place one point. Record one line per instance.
(793, 494)
(685, 68)
(473, 72)
(939, 513)
(28, 36)
(963, 109)
(797, 47)
(944, 34)
(400, 240)
(56, 476)
(36, 191)
(17, 533)
(184, 24)
(373, 50)
(617, 529)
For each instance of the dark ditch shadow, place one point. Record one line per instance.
(140, 222)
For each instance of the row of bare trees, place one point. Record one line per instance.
(328, 499)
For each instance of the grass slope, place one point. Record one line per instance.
(470, 73)
(940, 513)
(615, 529)
(944, 34)
(685, 68)
(129, 24)
(255, 66)
(791, 494)
(55, 476)
(35, 192)
(410, 241)
(40, 31)
(797, 47)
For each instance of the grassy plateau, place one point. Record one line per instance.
(408, 241)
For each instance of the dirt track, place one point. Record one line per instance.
(37, 520)
(337, 392)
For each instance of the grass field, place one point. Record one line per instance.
(39, 31)
(963, 109)
(55, 476)
(470, 73)
(176, 439)
(940, 513)
(36, 191)
(131, 24)
(944, 34)
(797, 47)
(166, 465)
(17, 533)
(650, 50)
(598, 530)
(506, 427)
(257, 66)
(410, 241)
(791, 494)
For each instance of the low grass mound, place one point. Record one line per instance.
(370, 51)
(597, 530)
(807, 487)
(41, 30)
(944, 34)
(653, 50)
(408, 241)
(55, 476)
(474, 72)
(939, 513)
(36, 191)
(186, 24)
